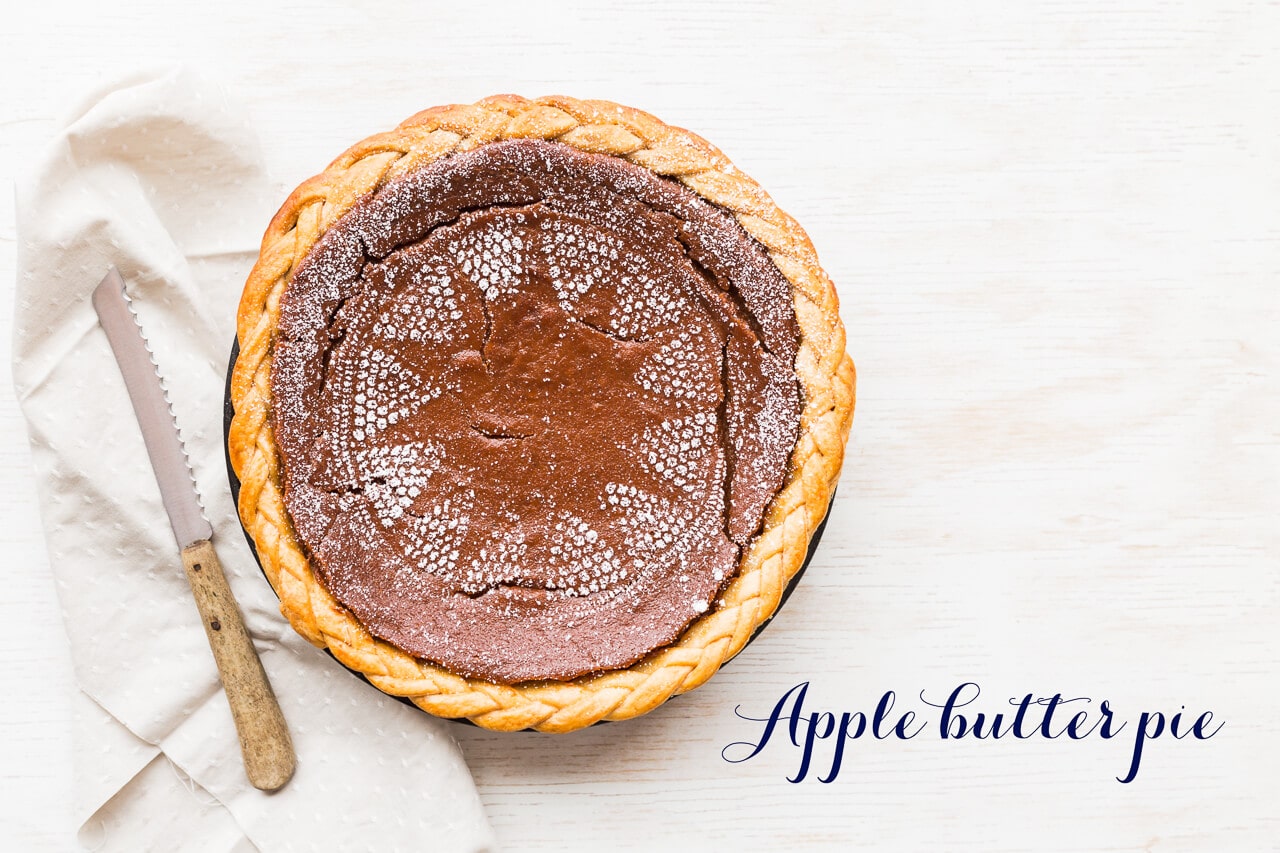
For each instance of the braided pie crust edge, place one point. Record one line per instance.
(825, 371)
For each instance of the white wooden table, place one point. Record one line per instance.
(1055, 228)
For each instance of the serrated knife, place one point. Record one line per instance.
(264, 738)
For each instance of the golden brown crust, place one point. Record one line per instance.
(825, 371)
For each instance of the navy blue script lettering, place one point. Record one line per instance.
(1047, 717)
(1152, 724)
(813, 727)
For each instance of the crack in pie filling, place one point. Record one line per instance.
(538, 405)
(532, 403)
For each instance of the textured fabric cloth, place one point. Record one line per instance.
(159, 177)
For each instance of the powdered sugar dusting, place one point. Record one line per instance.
(432, 539)
(677, 450)
(393, 476)
(528, 406)
(678, 369)
(581, 255)
(428, 311)
(586, 562)
(492, 257)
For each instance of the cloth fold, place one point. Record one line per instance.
(160, 177)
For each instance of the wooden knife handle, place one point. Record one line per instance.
(264, 738)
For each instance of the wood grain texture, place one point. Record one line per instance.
(265, 744)
(1054, 231)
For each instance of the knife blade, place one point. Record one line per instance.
(265, 743)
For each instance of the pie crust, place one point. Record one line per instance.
(769, 561)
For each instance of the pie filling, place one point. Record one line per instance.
(531, 405)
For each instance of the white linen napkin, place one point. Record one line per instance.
(159, 176)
